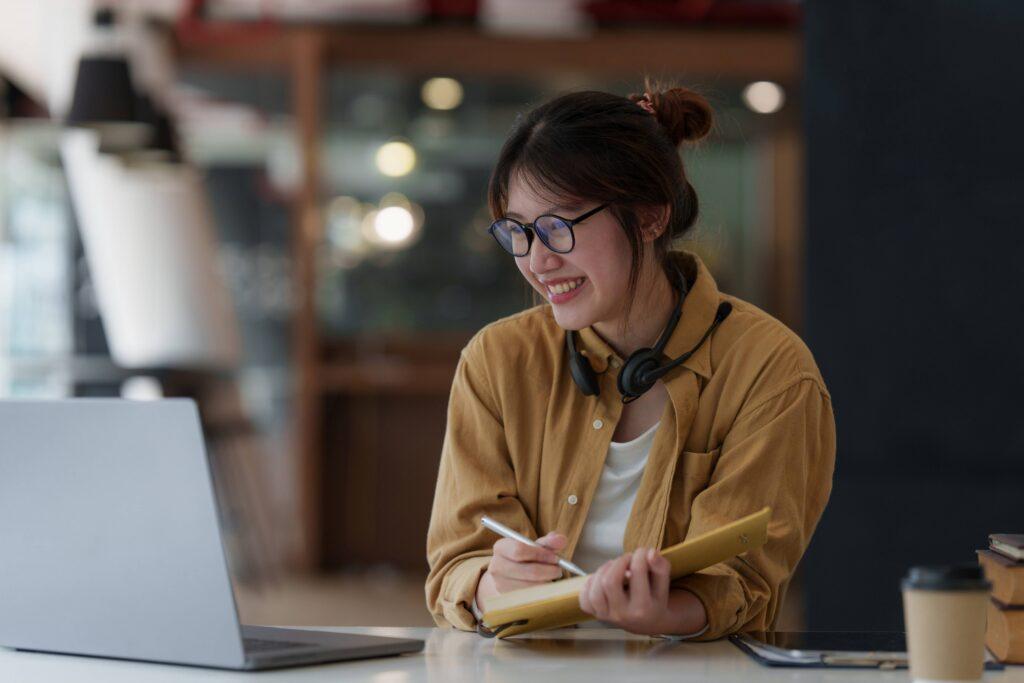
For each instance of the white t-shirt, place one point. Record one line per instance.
(601, 538)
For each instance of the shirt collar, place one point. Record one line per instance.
(699, 309)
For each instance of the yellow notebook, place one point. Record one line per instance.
(556, 604)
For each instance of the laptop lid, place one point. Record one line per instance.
(109, 542)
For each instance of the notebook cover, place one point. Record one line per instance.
(556, 604)
(1009, 545)
(1012, 540)
(1011, 551)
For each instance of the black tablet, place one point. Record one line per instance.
(840, 649)
(818, 642)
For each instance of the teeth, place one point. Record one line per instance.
(567, 286)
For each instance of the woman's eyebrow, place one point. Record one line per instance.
(552, 209)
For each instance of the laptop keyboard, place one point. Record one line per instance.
(253, 645)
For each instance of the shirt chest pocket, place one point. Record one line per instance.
(693, 470)
(692, 475)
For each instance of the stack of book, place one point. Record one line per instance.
(1003, 563)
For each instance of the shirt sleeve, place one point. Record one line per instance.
(779, 453)
(476, 478)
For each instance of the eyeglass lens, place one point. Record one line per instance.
(554, 232)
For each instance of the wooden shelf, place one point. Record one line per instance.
(390, 377)
(750, 54)
(391, 364)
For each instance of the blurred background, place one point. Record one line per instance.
(277, 208)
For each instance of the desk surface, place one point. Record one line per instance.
(565, 656)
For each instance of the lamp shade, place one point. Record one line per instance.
(103, 92)
(104, 95)
(105, 100)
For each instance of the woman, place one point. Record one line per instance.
(549, 436)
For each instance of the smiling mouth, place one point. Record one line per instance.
(565, 287)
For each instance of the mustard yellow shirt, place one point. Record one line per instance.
(749, 424)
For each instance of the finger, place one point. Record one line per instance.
(660, 577)
(523, 571)
(612, 581)
(520, 552)
(534, 572)
(553, 541)
(639, 583)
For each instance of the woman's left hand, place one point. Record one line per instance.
(641, 606)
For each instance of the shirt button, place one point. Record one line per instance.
(598, 423)
(573, 499)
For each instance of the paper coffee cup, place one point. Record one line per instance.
(944, 611)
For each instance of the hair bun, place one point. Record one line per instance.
(683, 113)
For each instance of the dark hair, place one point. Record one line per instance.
(602, 147)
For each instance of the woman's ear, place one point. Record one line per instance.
(653, 222)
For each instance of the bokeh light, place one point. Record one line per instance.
(394, 225)
(764, 97)
(442, 93)
(396, 158)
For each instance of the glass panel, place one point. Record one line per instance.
(36, 339)
(429, 264)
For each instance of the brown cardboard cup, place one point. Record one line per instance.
(944, 611)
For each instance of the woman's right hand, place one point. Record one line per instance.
(516, 565)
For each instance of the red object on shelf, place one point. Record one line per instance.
(453, 9)
(193, 28)
(761, 13)
(784, 12)
(624, 11)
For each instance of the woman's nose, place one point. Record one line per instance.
(543, 259)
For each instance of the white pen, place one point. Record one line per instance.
(501, 529)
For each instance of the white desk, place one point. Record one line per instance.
(451, 656)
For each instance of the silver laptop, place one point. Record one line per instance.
(109, 543)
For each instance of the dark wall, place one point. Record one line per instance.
(915, 257)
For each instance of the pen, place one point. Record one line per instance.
(501, 529)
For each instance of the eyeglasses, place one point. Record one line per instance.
(554, 231)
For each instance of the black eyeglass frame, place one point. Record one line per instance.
(529, 229)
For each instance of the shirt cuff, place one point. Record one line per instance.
(459, 592)
(477, 614)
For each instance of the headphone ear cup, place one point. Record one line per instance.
(582, 372)
(630, 381)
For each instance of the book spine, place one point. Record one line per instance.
(1007, 581)
(1010, 593)
(1004, 635)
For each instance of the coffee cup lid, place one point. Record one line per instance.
(947, 577)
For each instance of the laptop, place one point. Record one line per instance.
(110, 547)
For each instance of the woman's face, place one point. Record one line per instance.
(590, 284)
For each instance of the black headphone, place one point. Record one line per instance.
(643, 367)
